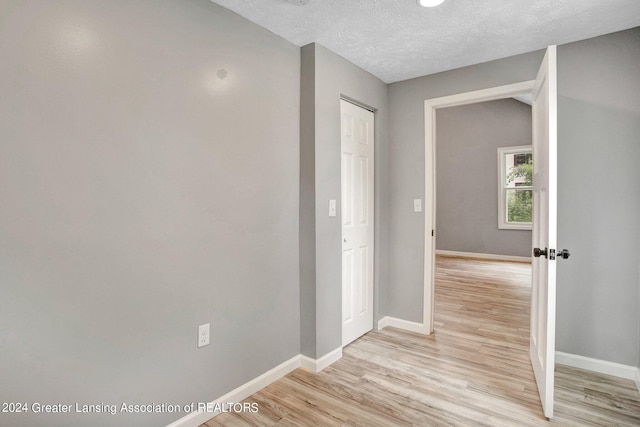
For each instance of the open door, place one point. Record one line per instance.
(544, 237)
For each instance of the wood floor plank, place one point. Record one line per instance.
(473, 371)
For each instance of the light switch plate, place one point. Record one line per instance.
(417, 205)
(332, 207)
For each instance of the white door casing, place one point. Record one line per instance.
(430, 108)
(544, 236)
(357, 177)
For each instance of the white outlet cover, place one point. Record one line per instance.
(417, 205)
(204, 335)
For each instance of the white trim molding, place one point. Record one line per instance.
(600, 366)
(197, 418)
(317, 365)
(488, 257)
(406, 325)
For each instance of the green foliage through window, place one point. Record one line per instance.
(520, 201)
(519, 205)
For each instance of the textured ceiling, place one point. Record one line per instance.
(398, 40)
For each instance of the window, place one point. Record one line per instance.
(515, 189)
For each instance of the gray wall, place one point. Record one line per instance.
(599, 196)
(467, 140)
(144, 192)
(598, 179)
(321, 236)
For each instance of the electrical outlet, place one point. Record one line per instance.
(203, 335)
(417, 205)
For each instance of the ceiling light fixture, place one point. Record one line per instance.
(430, 3)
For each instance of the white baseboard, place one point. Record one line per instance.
(394, 322)
(600, 366)
(197, 418)
(194, 419)
(493, 257)
(318, 365)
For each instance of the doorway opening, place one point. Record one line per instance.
(431, 107)
(482, 287)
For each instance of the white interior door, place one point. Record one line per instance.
(543, 290)
(357, 221)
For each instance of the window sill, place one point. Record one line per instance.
(515, 227)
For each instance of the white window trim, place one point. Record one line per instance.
(502, 190)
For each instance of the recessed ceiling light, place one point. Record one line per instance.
(430, 3)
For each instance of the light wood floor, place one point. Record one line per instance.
(474, 371)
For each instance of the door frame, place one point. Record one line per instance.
(430, 108)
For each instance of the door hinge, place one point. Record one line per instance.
(433, 233)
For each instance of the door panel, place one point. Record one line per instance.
(364, 191)
(357, 178)
(347, 286)
(347, 190)
(544, 236)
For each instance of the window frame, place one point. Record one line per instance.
(503, 224)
